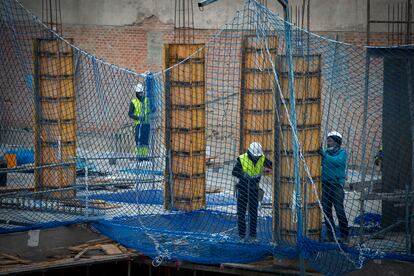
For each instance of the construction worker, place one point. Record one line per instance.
(378, 158)
(333, 181)
(139, 111)
(249, 169)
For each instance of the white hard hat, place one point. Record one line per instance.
(139, 88)
(335, 133)
(256, 149)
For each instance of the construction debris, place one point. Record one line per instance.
(7, 259)
(101, 248)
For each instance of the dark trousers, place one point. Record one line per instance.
(247, 196)
(142, 133)
(333, 195)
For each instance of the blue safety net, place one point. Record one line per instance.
(265, 140)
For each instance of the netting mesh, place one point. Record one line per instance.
(173, 173)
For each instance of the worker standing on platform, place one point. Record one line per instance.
(249, 169)
(139, 111)
(333, 181)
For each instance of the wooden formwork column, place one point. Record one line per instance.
(185, 132)
(258, 121)
(257, 99)
(54, 117)
(307, 86)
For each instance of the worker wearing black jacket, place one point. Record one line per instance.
(249, 169)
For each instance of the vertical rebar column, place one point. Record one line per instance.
(408, 27)
(55, 120)
(409, 206)
(364, 144)
(185, 132)
(295, 145)
(258, 122)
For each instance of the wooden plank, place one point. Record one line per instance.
(81, 247)
(81, 253)
(111, 249)
(213, 190)
(359, 186)
(90, 243)
(123, 249)
(14, 258)
(286, 267)
(9, 262)
(67, 263)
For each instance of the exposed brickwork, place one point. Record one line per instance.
(126, 46)
(360, 38)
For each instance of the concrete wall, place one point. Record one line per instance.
(326, 15)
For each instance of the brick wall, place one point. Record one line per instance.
(132, 47)
(360, 38)
(126, 46)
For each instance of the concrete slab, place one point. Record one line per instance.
(51, 242)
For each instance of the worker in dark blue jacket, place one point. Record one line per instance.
(333, 181)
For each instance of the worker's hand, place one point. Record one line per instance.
(321, 152)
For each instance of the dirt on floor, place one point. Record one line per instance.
(385, 268)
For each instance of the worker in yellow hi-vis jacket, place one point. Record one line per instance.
(249, 169)
(139, 111)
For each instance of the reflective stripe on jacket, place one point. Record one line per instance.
(248, 166)
(137, 110)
